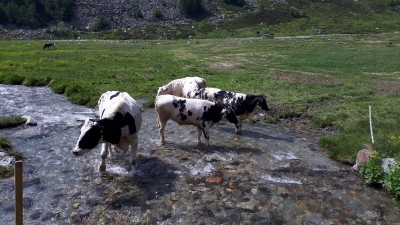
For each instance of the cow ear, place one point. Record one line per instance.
(94, 120)
(164, 88)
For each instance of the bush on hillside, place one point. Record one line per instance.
(191, 8)
(100, 24)
(157, 14)
(236, 2)
(297, 13)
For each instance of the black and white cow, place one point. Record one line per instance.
(118, 125)
(48, 45)
(184, 87)
(200, 113)
(243, 105)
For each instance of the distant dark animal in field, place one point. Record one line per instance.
(48, 45)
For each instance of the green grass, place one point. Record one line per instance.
(328, 80)
(11, 121)
(6, 172)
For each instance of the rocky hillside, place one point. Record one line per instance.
(282, 17)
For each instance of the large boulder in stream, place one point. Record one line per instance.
(6, 160)
(362, 156)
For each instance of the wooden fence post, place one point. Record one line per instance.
(18, 193)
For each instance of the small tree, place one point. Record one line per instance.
(60, 30)
(191, 8)
(138, 14)
(100, 24)
(157, 14)
(236, 2)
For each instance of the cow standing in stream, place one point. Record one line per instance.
(118, 125)
(243, 105)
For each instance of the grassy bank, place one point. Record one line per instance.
(325, 81)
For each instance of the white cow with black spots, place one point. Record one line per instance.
(243, 105)
(200, 113)
(118, 125)
(184, 87)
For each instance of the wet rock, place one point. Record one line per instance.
(6, 160)
(29, 121)
(36, 215)
(27, 203)
(47, 216)
(249, 205)
(80, 217)
(8, 206)
(30, 182)
(386, 162)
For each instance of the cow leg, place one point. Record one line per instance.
(104, 153)
(158, 118)
(134, 148)
(206, 135)
(162, 128)
(239, 127)
(199, 131)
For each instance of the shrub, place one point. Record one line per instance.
(392, 180)
(138, 14)
(60, 30)
(191, 8)
(100, 24)
(297, 13)
(372, 170)
(157, 14)
(240, 3)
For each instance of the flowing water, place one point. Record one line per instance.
(270, 175)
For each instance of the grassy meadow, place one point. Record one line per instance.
(328, 81)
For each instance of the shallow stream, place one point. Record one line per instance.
(270, 175)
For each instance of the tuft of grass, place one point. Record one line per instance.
(5, 143)
(11, 121)
(251, 121)
(6, 172)
(17, 155)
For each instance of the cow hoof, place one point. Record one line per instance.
(102, 168)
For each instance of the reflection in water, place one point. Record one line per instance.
(269, 175)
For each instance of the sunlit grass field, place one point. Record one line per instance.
(330, 81)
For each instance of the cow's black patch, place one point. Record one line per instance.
(181, 105)
(189, 113)
(114, 95)
(130, 121)
(112, 128)
(91, 138)
(214, 113)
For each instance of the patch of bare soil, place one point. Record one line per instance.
(386, 87)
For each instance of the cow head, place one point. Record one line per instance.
(90, 137)
(162, 90)
(262, 102)
(230, 116)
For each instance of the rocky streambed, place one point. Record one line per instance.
(270, 175)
